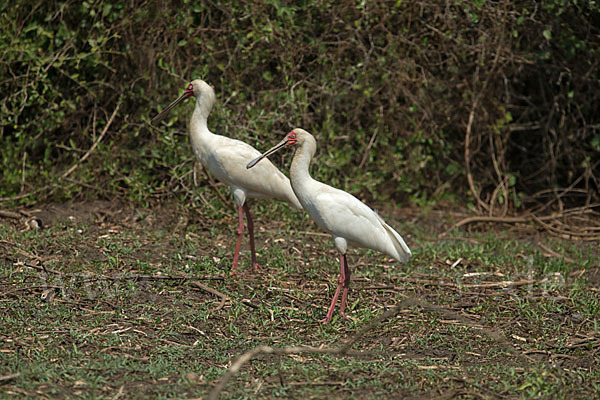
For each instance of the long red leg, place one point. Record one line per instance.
(238, 243)
(346, 286)
(251, 234)
(341, 280)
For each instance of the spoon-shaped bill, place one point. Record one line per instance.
(267, 153)
(161, 114)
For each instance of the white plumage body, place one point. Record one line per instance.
(226, 158)
(347, 219)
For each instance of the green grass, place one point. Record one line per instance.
(101, 338)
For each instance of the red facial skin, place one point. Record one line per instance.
(292, 139)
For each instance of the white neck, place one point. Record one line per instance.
(299, 174)
(200, 135)
(199, 121)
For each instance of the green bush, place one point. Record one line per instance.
(388, 89)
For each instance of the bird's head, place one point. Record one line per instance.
(295, 138)
(197, 88)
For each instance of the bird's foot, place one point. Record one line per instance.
(345, 316)
(328, 319)
(233, 270)
(257, 267)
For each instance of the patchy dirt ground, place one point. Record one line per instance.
(108, 301)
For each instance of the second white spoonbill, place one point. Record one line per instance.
(225, 159)
(347, 219)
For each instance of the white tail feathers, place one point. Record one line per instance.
(403, 253)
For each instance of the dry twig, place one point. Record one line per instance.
(345, 349)
(468, 158)
(244, 358)
(541, 220)
(553, 253)
(88, 277)
(10, 214)
(9, 377)
(210, 290)
(87, 154)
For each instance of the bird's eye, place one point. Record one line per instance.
(190, 87)
(292, 136)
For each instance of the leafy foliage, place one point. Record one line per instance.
(388, 88)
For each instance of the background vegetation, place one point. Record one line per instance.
(492, 102)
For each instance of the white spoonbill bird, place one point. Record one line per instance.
(347, 219)
(225, 159)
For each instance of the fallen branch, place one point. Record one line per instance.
(223, 296)
(558, 231)
(484, 218)
(345, 349)
(210, 290)
(386, 287)
(244, 358)
(87, 277)
(484, 285)
(9, 377)
(250, 304)
(553, 253)
(315, 233)
(527, 218)
(12, 292)
(10, 214)
(570, 188)
(38, 267)
(501, 284)
(24, 195)
(309, 383)
(424, 281)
